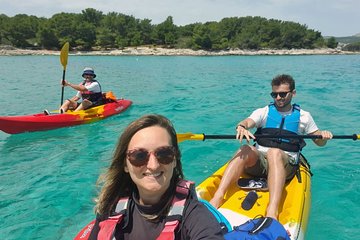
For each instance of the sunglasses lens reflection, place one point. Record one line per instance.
(165, 155)
(140, 157)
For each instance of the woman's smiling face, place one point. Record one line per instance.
(153, 178)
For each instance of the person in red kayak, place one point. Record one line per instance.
(89, 90)
(275, 159)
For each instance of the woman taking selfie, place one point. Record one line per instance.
(144, 195)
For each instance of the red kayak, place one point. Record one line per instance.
(42, 122)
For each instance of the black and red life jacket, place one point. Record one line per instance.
(108, 227)
(92, 96)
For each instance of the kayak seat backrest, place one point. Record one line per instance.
(109, 97)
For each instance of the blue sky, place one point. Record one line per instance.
(331, 17)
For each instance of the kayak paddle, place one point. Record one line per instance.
(63, 59)
(201, 136)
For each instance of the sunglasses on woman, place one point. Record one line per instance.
(281, 94)
(139, 157)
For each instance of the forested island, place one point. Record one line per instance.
(93, 30)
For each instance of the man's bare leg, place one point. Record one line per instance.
(276, 180)
(246, 156)
(85, 104)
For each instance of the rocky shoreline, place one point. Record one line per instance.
(157, 51)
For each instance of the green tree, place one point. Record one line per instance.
(230, 27)
(64, 26)
(292, 35)
(92, 16)
(132, 34)
(217, 41)
(249, 37)
(166, 32)
(145, 29)
(201, 37)
(21, 29)
(85, 36)
(274, 34)
(185, 34)
(47, 38)
(105, 38)
(4, 21)
(312, 39)
(187, 30)
(331, 43)
(110, 22)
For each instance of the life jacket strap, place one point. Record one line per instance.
(176, 211)
(108, 227)
(168, 233)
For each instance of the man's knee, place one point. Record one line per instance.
(276, 152)
(247, 149)
(73, 105)
(84, 105)
(276, 155)
(86, 102)
(247, 154)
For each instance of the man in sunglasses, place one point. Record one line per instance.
(276, 159)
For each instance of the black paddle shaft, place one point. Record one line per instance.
(62, 88)
(353, 137)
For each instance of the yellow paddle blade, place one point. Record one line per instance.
(189, 136)
(64, 55)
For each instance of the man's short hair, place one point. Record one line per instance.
(283, 79)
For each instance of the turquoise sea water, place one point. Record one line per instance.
(47, 179)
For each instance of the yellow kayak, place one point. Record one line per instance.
(294, 207)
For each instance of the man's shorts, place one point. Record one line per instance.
(260, 169)
(98, 102)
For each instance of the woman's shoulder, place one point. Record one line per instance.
(199, 223)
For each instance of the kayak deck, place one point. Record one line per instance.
(42, 122)
(294, 206)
